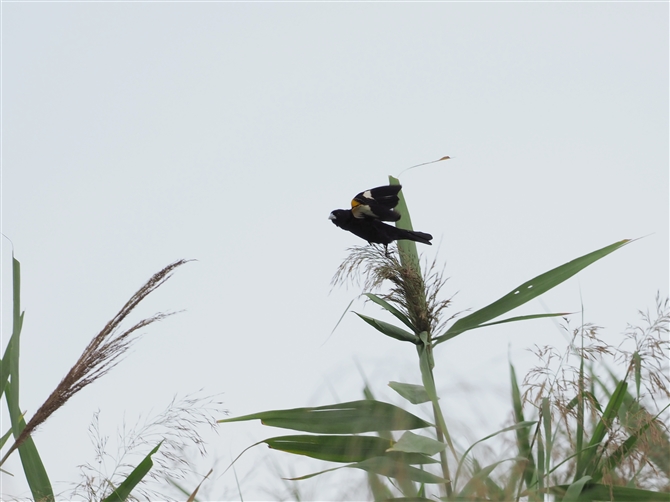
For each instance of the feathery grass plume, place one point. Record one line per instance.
(651, 348)
(100, 356)
(644, 351)
(417, 297)
(177, 428)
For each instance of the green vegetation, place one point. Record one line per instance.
(576, 435)
(572, 442)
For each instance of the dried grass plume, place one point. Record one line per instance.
(415, 295)
(100, 356)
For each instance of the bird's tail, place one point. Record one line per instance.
(412, 235)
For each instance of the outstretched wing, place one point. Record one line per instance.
(377, 203)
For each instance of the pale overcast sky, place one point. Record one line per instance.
(135, 134)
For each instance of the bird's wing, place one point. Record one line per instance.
(377, 203)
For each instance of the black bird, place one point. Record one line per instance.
(369, 210)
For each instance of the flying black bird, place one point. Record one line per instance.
(369, 210)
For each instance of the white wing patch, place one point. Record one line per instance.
(362, 211)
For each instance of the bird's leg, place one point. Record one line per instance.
(386, 250)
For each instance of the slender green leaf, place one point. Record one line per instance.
(408, 499)
(617, 456)
(389, 466)
(591, 397)
(407, 249)
(539, 467)
(579, 433)
(344, 418)
(397, 469)
(314, 474)
(637, 364)
(522, 433)
(332, 448)
(389, 329)
(506, 429)
(380, 492)
(632, 416)
(411, 458)
(548, 439)
(525, 318)
(478, 480)
(191, 497)
(387, 306)
(611, 412)
(573, 491)
(529, 290)
(122, 492)
(5, 364)
(495, 491)
(415, 394)
(413, 443)
(622, 494)
(5, 437)
(446, 337)
(340, 319)
(33, 468)
(593, 492)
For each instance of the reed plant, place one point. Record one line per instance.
(576, 435)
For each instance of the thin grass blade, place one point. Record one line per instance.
(632, 416)
(613, 493)
(529, 290)
(539, 467)
(573, 491)
(637, 365)
(445, 337)
(5, 437)
(387, 306)
(344, 418)
(389, 329)
(506, 429)
(583, 455)
(522, 433)
(415, 394)
(414, 443)
(397, 469)
(589, 460)
(33, 468)
(548, 434)
(122, 492)
(344, 449)
(380, 492)
(407, 249)
(477, 482)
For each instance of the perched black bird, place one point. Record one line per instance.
(369, 210)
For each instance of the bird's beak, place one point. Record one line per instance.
(331, 217)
